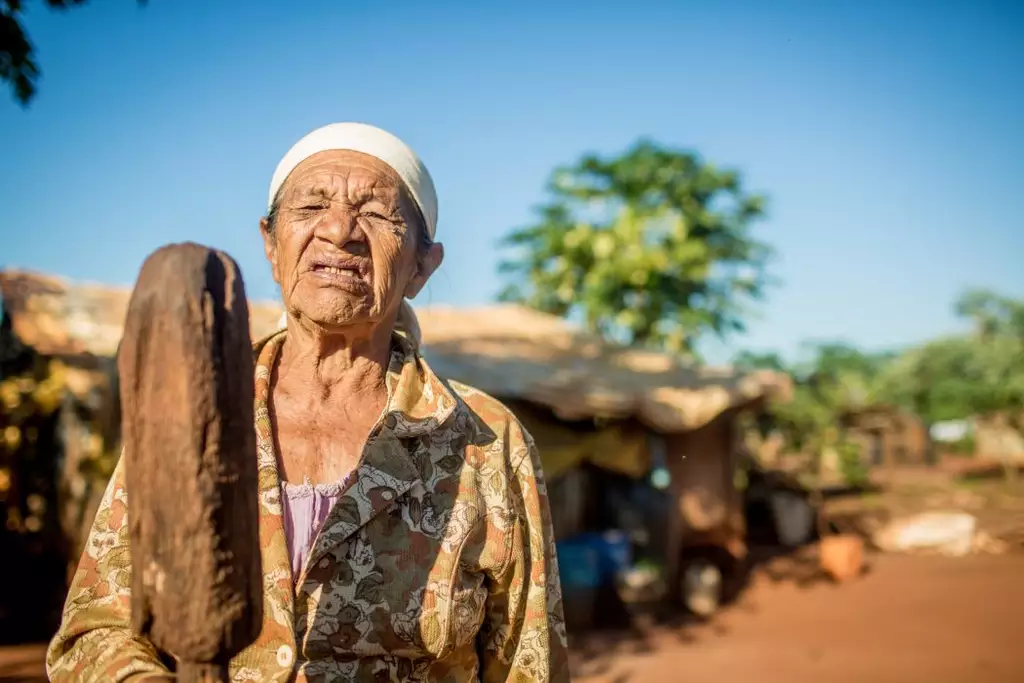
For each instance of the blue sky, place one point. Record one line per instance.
(887, 135)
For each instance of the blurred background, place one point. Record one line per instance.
(748, 271)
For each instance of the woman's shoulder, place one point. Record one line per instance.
(482, 405)
(492, 420)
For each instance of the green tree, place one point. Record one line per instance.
(834, 380)
(961, 376)
(932, 380)
(951, 378)
(18, 65)
(993, 315)
(652, 247)
(977, 374)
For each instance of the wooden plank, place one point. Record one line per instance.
(186, 371)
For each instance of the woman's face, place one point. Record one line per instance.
(344, 244)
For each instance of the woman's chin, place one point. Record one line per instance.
(341, 316)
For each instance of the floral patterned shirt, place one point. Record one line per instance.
(436, 564)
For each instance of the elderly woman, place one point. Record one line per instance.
(403, 517)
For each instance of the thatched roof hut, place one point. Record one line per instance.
(514, 352)
(59, 318)
(506, 350)
(540, 364)
(532, 360)
(547, 369)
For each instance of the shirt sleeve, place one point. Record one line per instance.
(95, 640)
(523, 636)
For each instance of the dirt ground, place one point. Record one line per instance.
(909, 619)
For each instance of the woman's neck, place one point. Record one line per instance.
(349, 364)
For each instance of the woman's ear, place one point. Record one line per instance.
(425, 267)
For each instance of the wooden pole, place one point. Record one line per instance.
(186, 369)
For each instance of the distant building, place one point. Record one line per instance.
(889, 436)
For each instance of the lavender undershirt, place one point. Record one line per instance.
(305, 508)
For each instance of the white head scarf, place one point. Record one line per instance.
(360, 137)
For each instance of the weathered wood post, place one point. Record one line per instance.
(186, 370)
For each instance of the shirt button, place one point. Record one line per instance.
(285, 656)
(387, 494)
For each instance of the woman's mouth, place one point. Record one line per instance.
(334, 270)
(347, 276)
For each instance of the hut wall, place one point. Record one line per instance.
(709, 507)
(890, 438)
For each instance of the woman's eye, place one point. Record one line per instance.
(312, 207)
(374, 215)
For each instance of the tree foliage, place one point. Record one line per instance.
(994, 315)
(958, 377)
(652, 247)
(834, 380)
(19, 67)
(980, 374)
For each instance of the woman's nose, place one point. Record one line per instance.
(341, 227)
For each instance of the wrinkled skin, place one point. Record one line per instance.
(345, 249)
(349, 210)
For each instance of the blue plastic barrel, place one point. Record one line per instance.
(593, 560)
(579, 562)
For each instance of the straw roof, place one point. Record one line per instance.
(505, 350)
(514, 352)
(58, 318)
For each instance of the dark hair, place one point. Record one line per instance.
(425, 241)
(271, 216)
